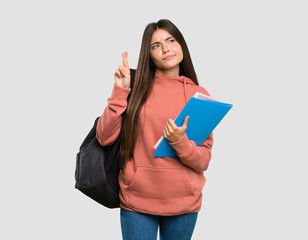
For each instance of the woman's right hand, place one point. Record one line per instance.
(122, 74)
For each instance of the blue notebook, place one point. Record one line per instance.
(204, 112)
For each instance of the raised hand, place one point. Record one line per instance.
(122, 74)
(172, 132)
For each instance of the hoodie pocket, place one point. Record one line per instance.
(159, 183)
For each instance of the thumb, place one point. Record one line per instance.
(185, 122)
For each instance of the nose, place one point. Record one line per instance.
(165, 47)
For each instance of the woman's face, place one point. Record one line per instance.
(166, 53)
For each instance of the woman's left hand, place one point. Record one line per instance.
(172, 132)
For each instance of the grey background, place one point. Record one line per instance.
(57, 60)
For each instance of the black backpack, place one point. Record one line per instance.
(97, 167)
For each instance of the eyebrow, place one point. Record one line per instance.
(159, 42)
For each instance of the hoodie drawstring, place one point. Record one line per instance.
(185, 90)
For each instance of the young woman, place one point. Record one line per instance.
(154, 191)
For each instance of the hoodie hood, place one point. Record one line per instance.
(181, 79)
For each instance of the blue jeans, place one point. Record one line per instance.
(140, 226)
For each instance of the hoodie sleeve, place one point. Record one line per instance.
(196, 157)
(109, 124)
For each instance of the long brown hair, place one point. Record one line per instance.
(144, 79)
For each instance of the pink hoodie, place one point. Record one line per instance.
(154, 185)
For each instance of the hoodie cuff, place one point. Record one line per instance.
(183, 147)
(120, 92)
(118, 98)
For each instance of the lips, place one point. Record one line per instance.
(168, 57)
